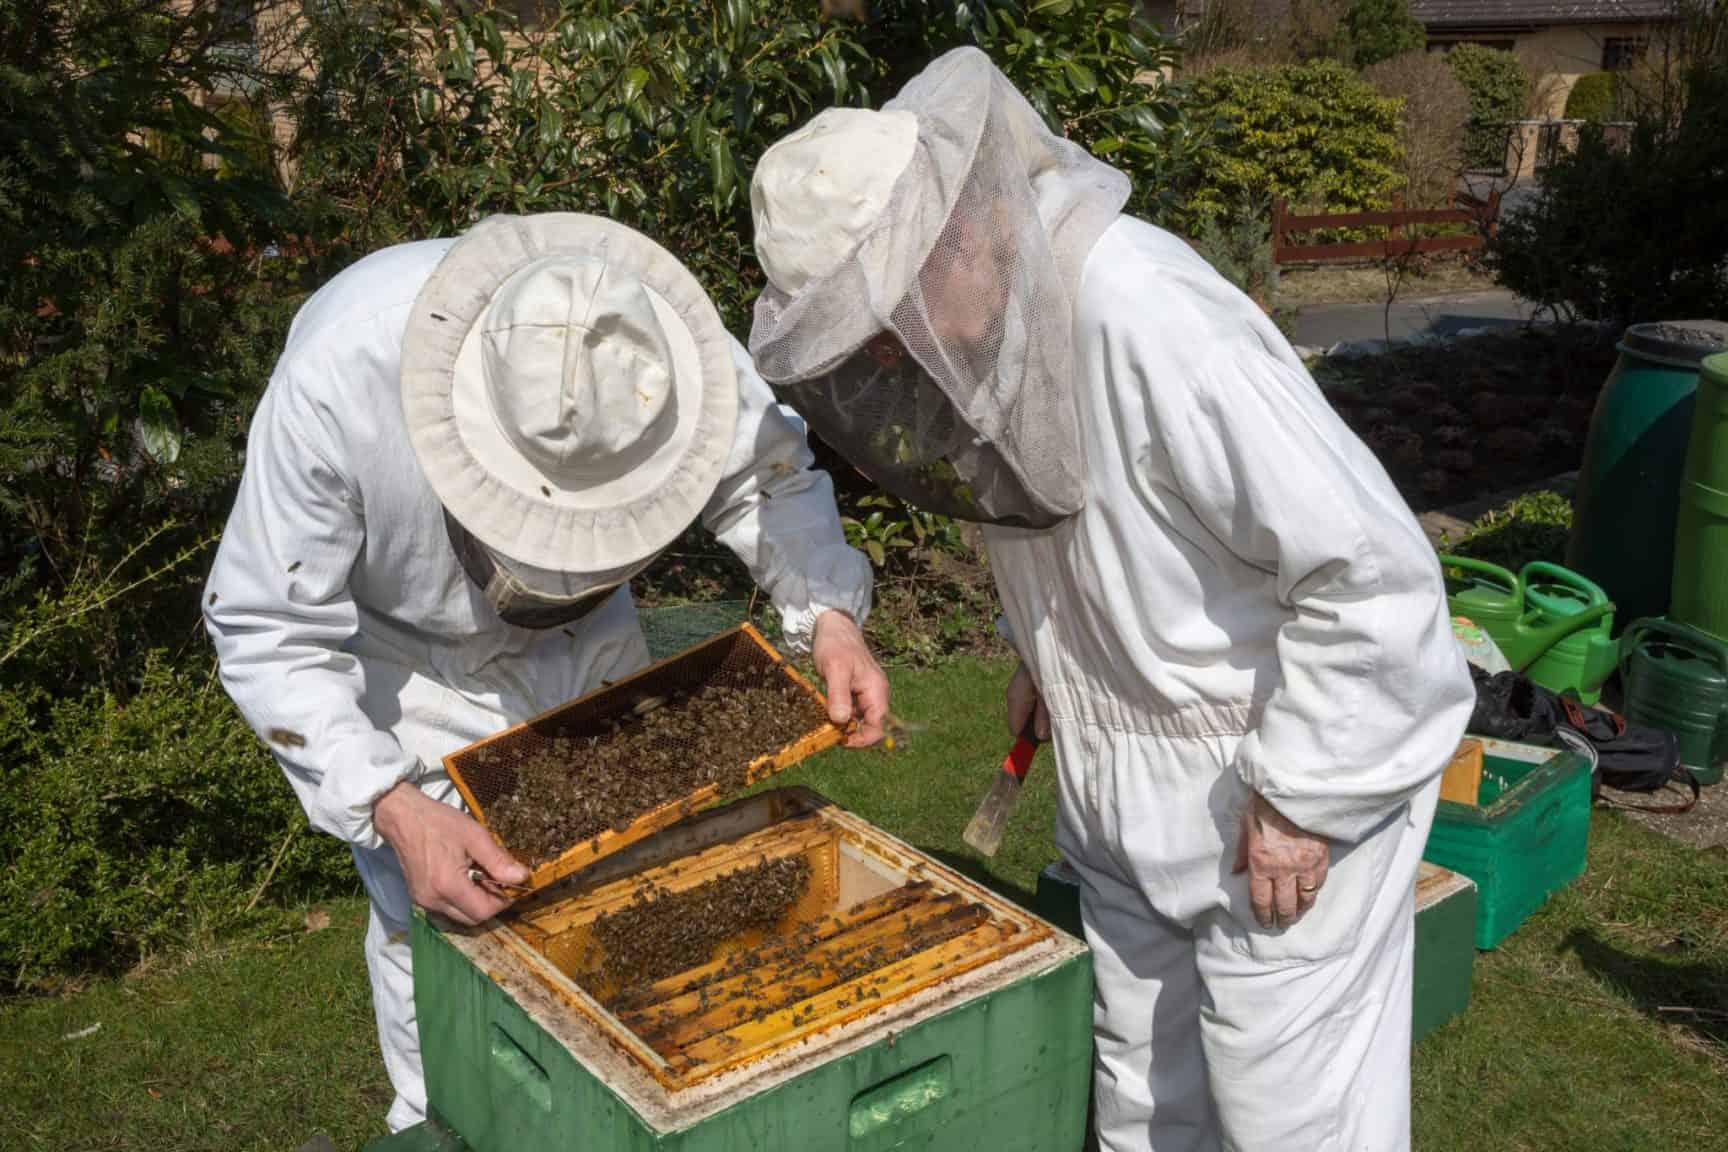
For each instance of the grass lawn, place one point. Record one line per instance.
(1602, 1025)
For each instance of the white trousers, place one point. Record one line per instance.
(1213, 1033)
(390, 964)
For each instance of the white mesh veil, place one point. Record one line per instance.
(971, 269)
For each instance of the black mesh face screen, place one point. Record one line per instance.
(514, 602)
(885, 415)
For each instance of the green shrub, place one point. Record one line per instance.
(136, 323)
(129, 825)
(1239, 246)
(1498, 86)
(1370, 31)
(1310, 133)
(1530, 527)
(1091, 67)
(1592, 98)
(655, 115)
(1630, 231)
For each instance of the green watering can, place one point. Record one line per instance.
(1550, 623)
(1676, 678)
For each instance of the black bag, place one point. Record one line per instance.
(1628, 758)
(1513, 707)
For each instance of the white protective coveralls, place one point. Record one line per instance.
(355, 644)
(1213, 583)
(1244, 602)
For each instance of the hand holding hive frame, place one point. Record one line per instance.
(578, 783)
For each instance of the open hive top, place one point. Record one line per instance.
(723, 955)
(590, 777)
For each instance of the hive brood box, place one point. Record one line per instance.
(914, 1009)
(1525, 838)
(486, 772)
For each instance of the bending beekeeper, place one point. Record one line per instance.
(467, 450)
(1227, 617)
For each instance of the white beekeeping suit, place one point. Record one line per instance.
(464, 434)
(1222, 600)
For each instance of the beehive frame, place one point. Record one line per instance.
(741, 652)
(800, 820)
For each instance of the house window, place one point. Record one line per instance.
(235, 20)
(1620, 53)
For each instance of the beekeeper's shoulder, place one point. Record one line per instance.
(1144, 284)
(359, 316)
(336, 385)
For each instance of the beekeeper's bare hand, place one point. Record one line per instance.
(855, 684)
(1024, 703)
(1286, 866)
(437, 844)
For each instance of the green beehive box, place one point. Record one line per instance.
(1445, 951)
(989, 1053)
(1445, 925)
(1524, 839)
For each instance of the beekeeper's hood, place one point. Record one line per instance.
(922, 262)
(570, 395)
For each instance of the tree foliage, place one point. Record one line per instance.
(1633, 229)
(1592, 98)
(134, 319)
(1310, 133)
(1370, 31)
(1498, 84)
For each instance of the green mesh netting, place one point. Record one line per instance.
(671, 629)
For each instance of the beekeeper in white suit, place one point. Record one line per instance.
(466, 451)
(1226, 616)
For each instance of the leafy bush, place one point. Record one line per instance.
(1592, 98)
(1623, 232)
(135, 321)
(655, 115)
(1093, 69)
(1239, 246)
(1308, 133)
(1370, 31)
(1529, 527)
(129, 824)
(1497, 84)
(652, 115)
(1433, 107)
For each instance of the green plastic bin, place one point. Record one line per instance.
(1526, 838)
(1700, 587)
(1623, 527)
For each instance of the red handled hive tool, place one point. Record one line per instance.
(988, 824)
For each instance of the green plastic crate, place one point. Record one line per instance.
(1524, 840)
(998, 1060)
(1445, 925)
(1445, 952)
